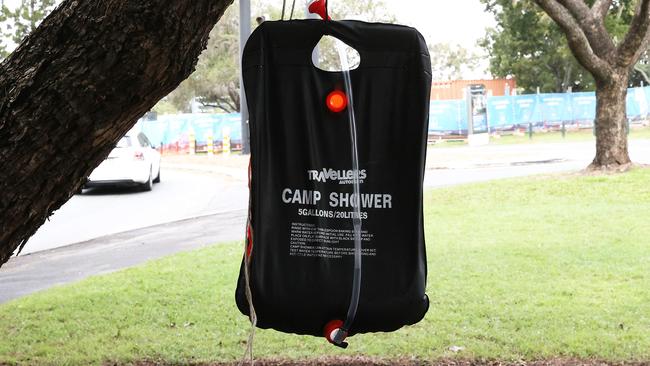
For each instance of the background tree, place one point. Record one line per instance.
(529, 45)
(16, 24)
(4, 12)
(451, 62)
(27, 16)
(610, 60)
(215, 84)
(642, 69)
(76, 85)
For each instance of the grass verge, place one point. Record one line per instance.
(530, 268)
(636, 133)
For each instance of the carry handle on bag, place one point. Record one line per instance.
(300, 242)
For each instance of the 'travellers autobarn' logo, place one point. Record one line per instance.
(342, 176)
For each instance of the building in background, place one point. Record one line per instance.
(455, 89)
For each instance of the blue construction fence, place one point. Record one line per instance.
(446, 117)
(449, 117)
(173, 132)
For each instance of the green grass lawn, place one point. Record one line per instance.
(531, 268)
(549, 137)
(571, 136)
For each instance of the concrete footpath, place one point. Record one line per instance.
(41, 270)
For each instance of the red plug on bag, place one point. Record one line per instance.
(336, 101)
(334, 333)
(318, 7)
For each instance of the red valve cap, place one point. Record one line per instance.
(329, 329)
(318, 7)
(336, 101)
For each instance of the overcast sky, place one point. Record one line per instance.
(440, 21)
(449, 21)
(454, 21)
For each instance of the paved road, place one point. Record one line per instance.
(98, 212)
(199, 189)
(452, 166)
(190, 189)
(30, 273)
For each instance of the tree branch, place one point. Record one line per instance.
(217, 105)
(637, 37)
(76, 85)
(594, 28)
(578, 42)
(643, 73)
(234, 96)
(224, 103)
(600, 9)
(578, 9)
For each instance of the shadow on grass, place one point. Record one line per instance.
(369, 361)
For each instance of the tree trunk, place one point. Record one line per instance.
(76, 86)
(611, 124)
(609, 62)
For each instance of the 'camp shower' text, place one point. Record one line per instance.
(337, 199)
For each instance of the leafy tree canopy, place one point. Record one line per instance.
(451, 61)
(642, 74)
(4, 12)
(529, 45)
(215, 84)
(16, 24)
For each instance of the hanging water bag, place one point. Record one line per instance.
(324, 257)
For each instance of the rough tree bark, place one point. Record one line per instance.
(76, 85)
(609, 63)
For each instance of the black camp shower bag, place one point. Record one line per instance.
(300, 235)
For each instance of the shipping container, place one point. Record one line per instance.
(455, 89)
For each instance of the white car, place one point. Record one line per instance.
(134, 162)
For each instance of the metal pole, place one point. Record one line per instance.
(570, 95)
(540, 104)
(244, 32)
(470, 111)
